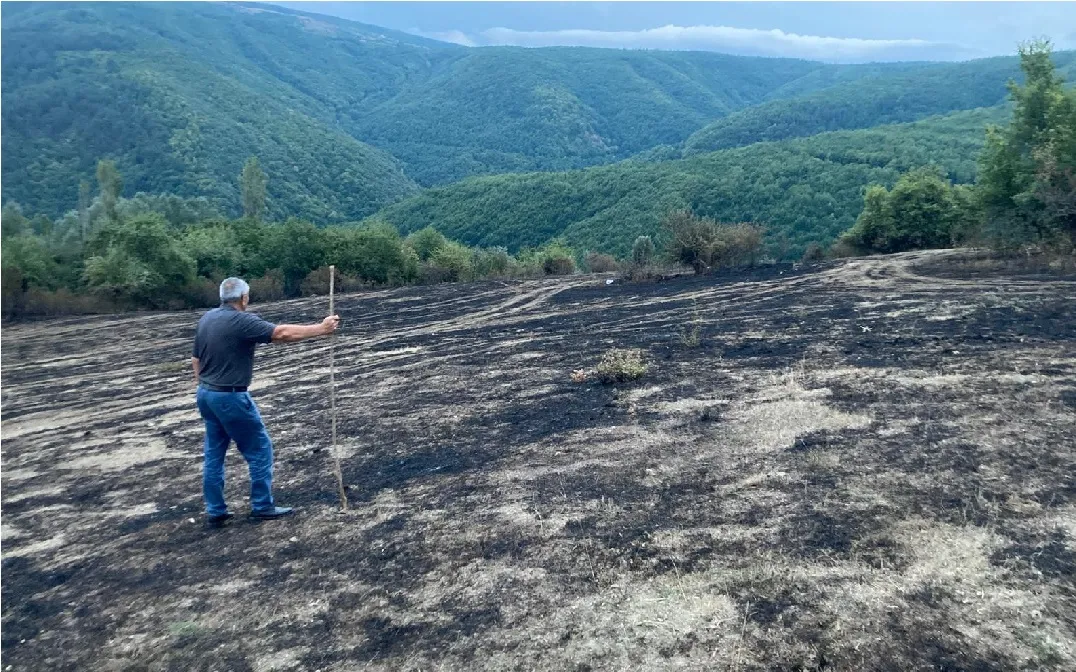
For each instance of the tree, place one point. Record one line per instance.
(110, 182)
(922, 211)
(215, 250)
(138, 260)
(12, 221)
(426, 242)
(252, 183)
(375, 253)
(83, 211)
(295, 248)
(1026, 182)
(642, 252)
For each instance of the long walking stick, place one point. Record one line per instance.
(332, 391)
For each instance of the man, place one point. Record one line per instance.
(223, 361)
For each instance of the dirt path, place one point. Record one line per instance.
(864, 465)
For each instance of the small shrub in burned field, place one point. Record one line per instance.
(621, 365)
(691, 332)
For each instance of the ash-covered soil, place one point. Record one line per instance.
(863, 465)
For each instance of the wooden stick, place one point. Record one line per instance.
(332, 391)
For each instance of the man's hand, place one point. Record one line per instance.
(330, 324)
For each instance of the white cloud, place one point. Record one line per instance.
(746, 41)
(453, 36)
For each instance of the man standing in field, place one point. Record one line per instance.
(223, 360)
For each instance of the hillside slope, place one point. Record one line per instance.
(179, 94)
(883, 98)
(804, 190)
(513, 109)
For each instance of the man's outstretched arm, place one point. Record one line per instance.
(290, 333)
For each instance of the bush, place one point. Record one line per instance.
(601, 263)
(452, 263)
(557, 259)
(642, 252)
(922, 211)
(138, 261)
(269, 287)
(374, 253)
(200, 293)
(814, 252)
(641, 273)
(492, 262)
(703, 243)
(621, 365)
(316, 283)
(691, 330)
(737, 245)
(60, 302)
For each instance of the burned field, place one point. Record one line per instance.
(868, 464)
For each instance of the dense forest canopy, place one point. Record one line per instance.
(348, 118)
(804, 190)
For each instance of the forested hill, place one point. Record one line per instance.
(804, 190)
(870, 101)
(344, 117)
(181, 94)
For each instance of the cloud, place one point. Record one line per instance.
(742, 41)
(453, 36)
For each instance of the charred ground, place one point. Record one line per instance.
(864, 465)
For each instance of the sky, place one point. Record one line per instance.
(846, 32)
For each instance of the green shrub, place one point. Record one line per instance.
(426, 242)
(621, 365)
(642, 252)
(703, 243)
(138, 261)
(453, 262)
(922, 211)
(491, 262)
(557, 259)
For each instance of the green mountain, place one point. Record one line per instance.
(179, 95)
(884, 98)
(803, 190)
(514, 109)
(345, 117)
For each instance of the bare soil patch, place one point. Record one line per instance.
(868, 464)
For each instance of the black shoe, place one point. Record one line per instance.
(273, 513)
(218, 521)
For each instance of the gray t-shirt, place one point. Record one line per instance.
(224, 345)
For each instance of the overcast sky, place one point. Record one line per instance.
(830, 31)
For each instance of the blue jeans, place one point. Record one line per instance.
(232, 416)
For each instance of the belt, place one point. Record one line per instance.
(223, 388)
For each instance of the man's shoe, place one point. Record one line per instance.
(273, 513)
(218, 521)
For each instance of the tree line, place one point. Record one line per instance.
(168, 252)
